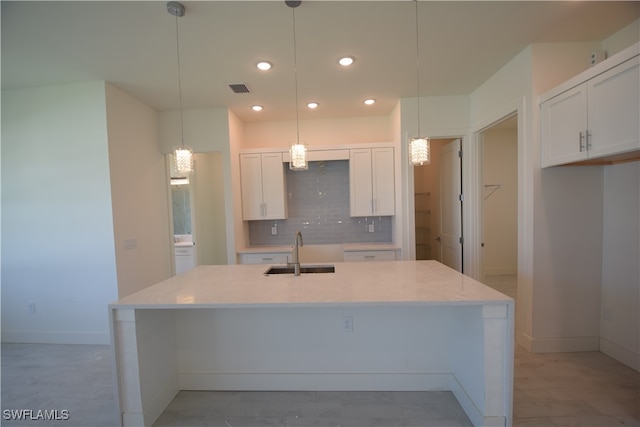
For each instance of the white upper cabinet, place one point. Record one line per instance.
(613, 99)
(371, 180)
(263, 186)
(594, 119)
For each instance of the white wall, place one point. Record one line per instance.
(440, 117)
(620, 325)
(206, 130)
(208, 197)
(318, 132)
(57, 229)
(500, 213)
(139, 194)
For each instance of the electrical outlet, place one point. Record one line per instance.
(274, 230)
(31, 306)
(347, 323)
(597, 57)
(130, 244)
(371, 228)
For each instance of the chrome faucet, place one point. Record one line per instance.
(296, 256)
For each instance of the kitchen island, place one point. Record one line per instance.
(382, 326)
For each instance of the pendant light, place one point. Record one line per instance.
(183, 155)
(419, 146)
(298, 151)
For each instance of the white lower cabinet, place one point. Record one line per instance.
(366, 256)
(265, 258)
(184, 259)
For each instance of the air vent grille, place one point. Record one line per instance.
(239, 88)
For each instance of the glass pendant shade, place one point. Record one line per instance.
(420, 151)
(183, 160)
(298, 157)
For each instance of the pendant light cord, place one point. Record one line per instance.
(179, 82)
(295, 72)
(418, 66)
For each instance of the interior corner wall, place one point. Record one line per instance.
(620, 324)
(138, 193)
(57, 229)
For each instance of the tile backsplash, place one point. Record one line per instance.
(318, 205)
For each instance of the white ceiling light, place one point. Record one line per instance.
(183, 155)
(369, 101)
(298, 152)
(313, 105)
(345, 61)
(419, 146)
(264, 65)
(256, 107)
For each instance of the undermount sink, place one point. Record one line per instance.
(288, 269)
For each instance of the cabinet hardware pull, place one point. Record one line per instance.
(581, 142)
(588, 140)
(369, 256)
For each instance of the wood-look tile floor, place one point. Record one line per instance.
(550, 390)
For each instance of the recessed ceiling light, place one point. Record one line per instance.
(369, 101)
(256, 107)
(264, 65)
(346, 61)
(313, 105)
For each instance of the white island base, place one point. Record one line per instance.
(387, 326)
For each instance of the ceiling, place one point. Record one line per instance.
(132, 44)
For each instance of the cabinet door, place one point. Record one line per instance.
(563, 126)
(251, 186)
(614, 110)
(360, 186)
(273, 189)
(384, 203)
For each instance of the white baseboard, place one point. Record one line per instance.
(315, 381)
(564, 344)
(621, 354)
(56, 337)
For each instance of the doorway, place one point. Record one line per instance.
(499, 204)
(437, 205)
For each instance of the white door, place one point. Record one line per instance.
(450, 233)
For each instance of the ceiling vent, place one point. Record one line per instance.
(239, 88)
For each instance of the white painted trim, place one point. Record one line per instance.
(527, 160)
(565, 344)
(620, 353)
(315, 381)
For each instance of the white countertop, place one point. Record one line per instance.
(362, 284)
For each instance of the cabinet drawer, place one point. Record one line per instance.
(365, 256)
(184, 251)
(265, 258)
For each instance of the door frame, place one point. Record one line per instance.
(472, 210)
(409, 244)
